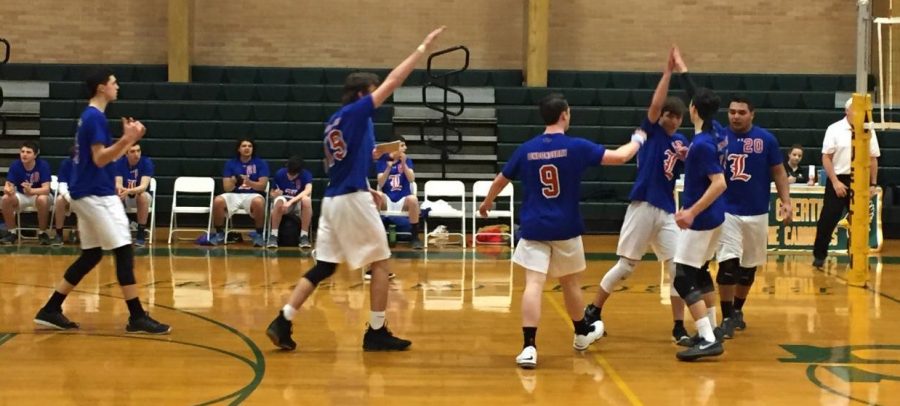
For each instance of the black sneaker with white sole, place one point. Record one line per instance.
(54, 319)
(383, 340)
(702, 349)
(146, 325)
(279, 331)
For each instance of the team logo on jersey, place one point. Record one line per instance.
(738, 167)
(394, 181)
(671, 159)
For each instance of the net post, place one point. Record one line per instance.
(859, 184)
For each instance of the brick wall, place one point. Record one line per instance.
(716, 35)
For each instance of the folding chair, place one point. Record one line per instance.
(247, 213)
(152, 190)
(192, 185)
(54, 186)
(480, 189)
(447, 188)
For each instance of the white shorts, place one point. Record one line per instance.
(237, 201)
(131, 202)
(553, 258)
(646, 225)
(350, 231)
(26, 202)
(744, 237)
(63, 190)
(101, 222)
(696, 247)
(295, 208)
(397, 206)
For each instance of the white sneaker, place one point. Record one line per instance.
(582, 342)
(527, 359)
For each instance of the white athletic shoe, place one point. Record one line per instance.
(527, 359)
(582, 342)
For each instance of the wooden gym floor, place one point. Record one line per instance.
(810, 338)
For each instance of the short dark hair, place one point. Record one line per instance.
(400, 138)
(358, 82)
(739, 98)
(796, 146)
(237, 146)
(707, 104)
(32, 145)
(552, 106)
(294, 164)
(674, 105)
(95, 77)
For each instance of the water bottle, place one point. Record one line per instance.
(392, 235)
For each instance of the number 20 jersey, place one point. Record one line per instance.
(748, 171)
(349, 141)
(550, 167)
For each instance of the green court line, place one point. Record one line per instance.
(811, 376)
(4, 337)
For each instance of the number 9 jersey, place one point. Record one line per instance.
(748, 171)
(550, 168)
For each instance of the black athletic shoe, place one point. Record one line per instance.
(728, 325)
(818, 263)
(146, 325)
(417, 244)
(702, 349)
(681, 337)
(44, 239)
(383, 340)
(9, 239)
(739, 320)
(53, 319)
(279, 332)
(591, 313)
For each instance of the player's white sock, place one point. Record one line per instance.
(289, 311)
(376, 320)
(705, 329)
(711, 315)
(304, 233)
(275, 233)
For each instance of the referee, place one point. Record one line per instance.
(836, 155)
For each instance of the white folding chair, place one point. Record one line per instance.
(480, 189)
(266, 227)
(152, 190)
(447, 188)
(414, 190)
(192, 185)
(54, 186)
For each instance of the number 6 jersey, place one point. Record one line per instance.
(748, 171)
(550, 167)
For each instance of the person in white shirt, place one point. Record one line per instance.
(836, 159)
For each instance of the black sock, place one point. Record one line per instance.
(135, 308)
(259, 231)
(739, 303)
(55, 302)
(141, 228)
(727, 309)
(581, 327)
(679, 324)
(414, 229)
(59, 232)
(594, 311)
(529, 333)
(220, 229)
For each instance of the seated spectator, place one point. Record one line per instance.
(133, 173)
(792, 165)
(27, 186)
(62, 207)
(395, 174)
(243, 179)
(292, 195)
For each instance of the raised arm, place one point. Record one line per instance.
(624, 153)
(662, 90)
(402, 71)
(686, 82)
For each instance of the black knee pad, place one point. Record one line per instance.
(747, 276)
(125, 265)
(728, 271)
(705, 282)
(321, 271)
(686, 283)
(88, 259)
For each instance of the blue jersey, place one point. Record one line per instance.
(35, 177)
(704, 158)
(349, 142)
(64, 175)
(658, 166)
(255, 168)
(550, 167)
(751, 157)
(292, 187)
(87, 179)
(397, 185)
(131, 175)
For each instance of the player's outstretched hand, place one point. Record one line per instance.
(680, 66)
(431, 37)
(670, 63)
(132, 129)
(639, 136)
(484, 208)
